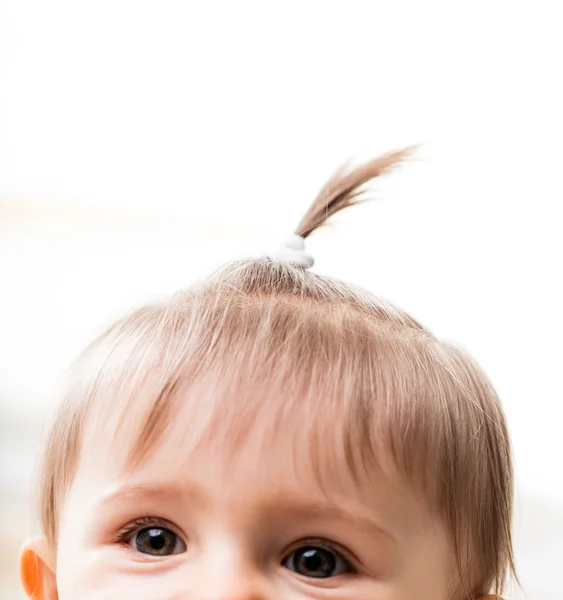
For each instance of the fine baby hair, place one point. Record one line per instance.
(340, 379)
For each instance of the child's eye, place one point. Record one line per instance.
(157, 541)
(316, 562)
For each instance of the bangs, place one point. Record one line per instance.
(340, 399)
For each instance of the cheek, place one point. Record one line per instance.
(95, 576)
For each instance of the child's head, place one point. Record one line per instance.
(268, 434)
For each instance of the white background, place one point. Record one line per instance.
(144, 143)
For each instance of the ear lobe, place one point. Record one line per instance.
(37, 570)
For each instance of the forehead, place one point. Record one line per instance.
(286, 437)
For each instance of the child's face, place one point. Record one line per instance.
(242, 521)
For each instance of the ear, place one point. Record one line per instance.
(37, 570)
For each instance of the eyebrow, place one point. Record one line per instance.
(360, 519)
(169, 492)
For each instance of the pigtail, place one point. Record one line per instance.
(344, 189)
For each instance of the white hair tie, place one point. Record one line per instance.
(292, 251)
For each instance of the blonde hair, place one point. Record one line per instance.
(346, 366)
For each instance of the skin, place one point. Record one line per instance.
(235, 523)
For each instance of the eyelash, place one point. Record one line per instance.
(325, 545)
(141, 523)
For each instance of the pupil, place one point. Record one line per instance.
(156, 539)
(312, 562)
(316, 562)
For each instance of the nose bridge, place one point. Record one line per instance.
(224, 570)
